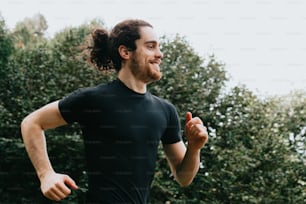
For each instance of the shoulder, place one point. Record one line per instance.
(164, 102)
(83, 97)
(166, 105)
(90, 91)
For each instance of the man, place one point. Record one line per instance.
(121, 121)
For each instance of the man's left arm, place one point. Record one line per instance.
(185, 161)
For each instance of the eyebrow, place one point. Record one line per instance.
(151, 41)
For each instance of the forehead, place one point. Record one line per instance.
(148, 34)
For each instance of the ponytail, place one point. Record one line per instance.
(99, 54)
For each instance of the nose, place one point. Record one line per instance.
(159, 54)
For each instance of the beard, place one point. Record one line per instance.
(147, 73)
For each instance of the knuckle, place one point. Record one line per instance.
(57, 184)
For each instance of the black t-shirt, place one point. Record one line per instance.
(122, 130)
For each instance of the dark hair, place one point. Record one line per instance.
(104, 53)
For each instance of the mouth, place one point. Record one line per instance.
(155, 61)
(156, 64)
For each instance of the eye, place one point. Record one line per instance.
(151, 46)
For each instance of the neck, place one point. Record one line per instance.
(131, 81)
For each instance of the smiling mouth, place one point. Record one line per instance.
(158, 62)
(156, 65)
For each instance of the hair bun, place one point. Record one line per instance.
(99, 54)
(100, 38)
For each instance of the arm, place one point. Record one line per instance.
(184, 162)
(32, 129)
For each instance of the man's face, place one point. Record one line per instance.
(146, 59)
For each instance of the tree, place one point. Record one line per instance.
(251, 161)
(6, 44)
(292, 108)
(6, 50)
(30, 30)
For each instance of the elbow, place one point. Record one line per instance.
(184, 183)
(184, 178)
(27, 125)
(23, 125)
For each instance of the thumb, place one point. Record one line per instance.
(70, 182)
(188, 117)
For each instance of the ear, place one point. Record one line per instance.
(124, 52)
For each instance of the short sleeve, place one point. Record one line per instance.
(72, 106)
(173, 130)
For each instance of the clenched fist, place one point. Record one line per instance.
(196, 132)
(57, 186)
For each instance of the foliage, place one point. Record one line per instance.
(6, 50)
(249, 151)
(256, 150)
(6, 44)
(291, 120)
(30, 30)
(19, 183)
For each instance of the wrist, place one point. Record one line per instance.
(42, 174)
(192, 149)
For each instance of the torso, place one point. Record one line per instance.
(122, 130)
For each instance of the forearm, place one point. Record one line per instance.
(35, 144)
(188, 168)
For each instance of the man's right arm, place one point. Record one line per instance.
(53, 185)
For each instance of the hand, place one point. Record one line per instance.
(55, 186)
(196, 132)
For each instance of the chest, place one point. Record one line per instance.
(128, 120)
